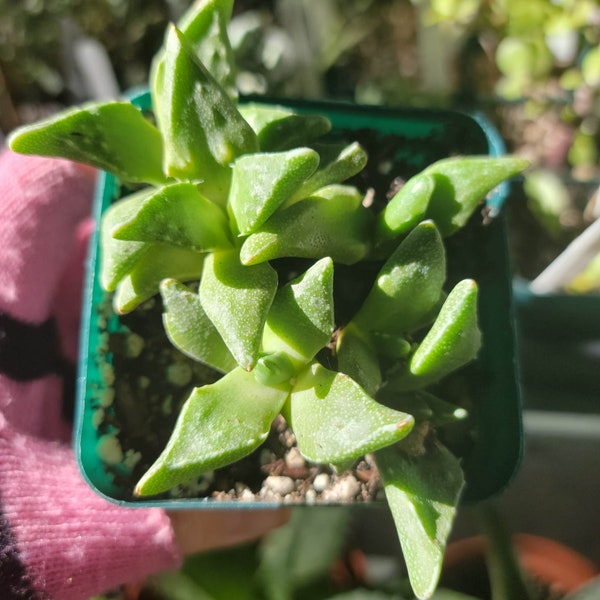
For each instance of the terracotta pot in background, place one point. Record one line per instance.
(553, 565)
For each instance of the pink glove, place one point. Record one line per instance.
(57, 537)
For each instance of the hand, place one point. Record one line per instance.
(212, 529)
(75, 543)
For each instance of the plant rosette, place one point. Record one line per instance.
(321, 318)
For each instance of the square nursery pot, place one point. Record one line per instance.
(124, 414)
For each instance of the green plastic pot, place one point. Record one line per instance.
(400, 142)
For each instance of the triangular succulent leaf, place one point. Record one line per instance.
(337, 163)
(422, 492)
(281, 129)
(114, 136)
(336, 421)
(118, 257)
(204, 25)
(356, 357)
(331, 223)
(190, 330)
(452, 342)
(218, 424)
(262, 182)
(406, 209)
(178, 214)
(462, 183)
(301, 319)
(215, 133)
(237, 299)
(158, 262)
(422, 405)
(408, 286)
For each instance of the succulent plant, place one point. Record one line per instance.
(221, 193)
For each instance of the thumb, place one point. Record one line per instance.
(199, 531)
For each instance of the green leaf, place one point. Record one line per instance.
(237, 299)
(453, 340)
(262, 182)
(408, 286)
(335, 421)
(222, 574)
(357, 358)
(331, 223)
(117, 257)
(190, 330)
(274, 368)
(390, 345)
(281, 129)
(590, 67)
(135, 269)
(337, 163)
(301, 319)
(219, 424)
(113, 136)
(422, 405)
(422, 492)
(215, 133)
(463, 183)
(204, 26)
(158, 262)
(405, 209)
(179, 215)
(303, 551)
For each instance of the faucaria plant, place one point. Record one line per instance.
(220, 191)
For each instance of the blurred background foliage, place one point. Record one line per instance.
(544, 53)
(37, 35)
(532, 67)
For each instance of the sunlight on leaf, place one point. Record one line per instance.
(330, 223)
(262, 182)
(219, 424)
(335, 420)
(237, 299)
(114, 136)
(179, 215)
(301, 319)
(190, 330)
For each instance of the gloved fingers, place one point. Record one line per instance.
(43, 207)
(42, 201)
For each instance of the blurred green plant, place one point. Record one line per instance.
(547, 53)
(290, 49)
(288, 564)
(315, 557)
